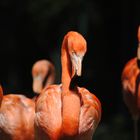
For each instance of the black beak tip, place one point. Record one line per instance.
(75, 81)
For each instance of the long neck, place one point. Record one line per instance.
(70, 98)
(50, 79)
(66, 68)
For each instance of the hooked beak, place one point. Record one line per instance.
(76, 64)
(37, 84)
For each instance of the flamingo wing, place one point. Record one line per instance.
(90, 114)
(48, 119)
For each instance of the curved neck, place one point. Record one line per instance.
(66, 67)
(70, 98)
(50, 78)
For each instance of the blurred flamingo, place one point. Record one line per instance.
(64, 111)
(43, 73)
(131, 87)
(16, 117)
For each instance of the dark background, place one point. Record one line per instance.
(34, 29)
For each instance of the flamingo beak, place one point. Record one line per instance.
(37, 84)
(76, 65)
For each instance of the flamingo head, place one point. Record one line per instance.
(77, 49)
(39, 72)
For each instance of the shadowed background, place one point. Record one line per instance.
(34, 29)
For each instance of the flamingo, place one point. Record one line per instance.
(64, 111)
(43, 73)
(131, 87)
(16, 117)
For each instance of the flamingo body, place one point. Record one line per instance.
(130, 82)
(64, 112)
(131, 87)
(49, 126)
(16, 118)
